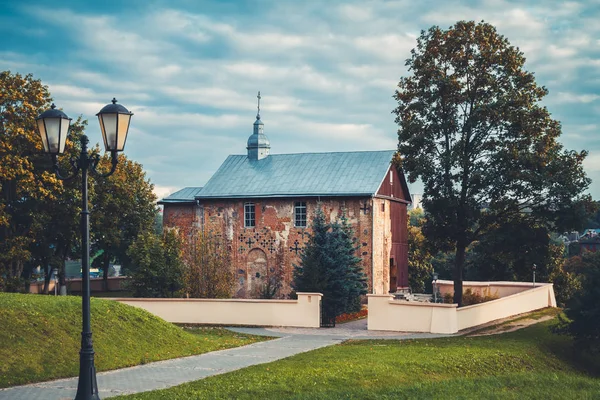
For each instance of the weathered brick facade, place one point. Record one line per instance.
(379, 224)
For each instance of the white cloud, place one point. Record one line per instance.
(592, 162)
(566, 97)
(327, 74)
(164, 191)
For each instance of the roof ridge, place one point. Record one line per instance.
(321, 152)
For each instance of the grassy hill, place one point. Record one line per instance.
(40, 337)
(531, 363)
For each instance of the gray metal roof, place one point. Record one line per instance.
(306, 174)
(185, 195)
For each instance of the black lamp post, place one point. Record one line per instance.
(435, 278)
(53, 126)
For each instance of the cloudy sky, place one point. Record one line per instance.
(327, 70)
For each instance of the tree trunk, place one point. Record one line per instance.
(459, 262)
(62, 281)
(105, 262)
(62, 271)
(47, 272)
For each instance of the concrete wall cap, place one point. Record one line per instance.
(498, 283)
(419, 304)
(192, 300)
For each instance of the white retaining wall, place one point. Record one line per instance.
(304, 312)
(387, 314)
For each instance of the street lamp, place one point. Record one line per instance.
(435, 278)
(534, 267)
(53, 126)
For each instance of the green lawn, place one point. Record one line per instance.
(40, 337)
(530, 363)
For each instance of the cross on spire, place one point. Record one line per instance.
(258, 112)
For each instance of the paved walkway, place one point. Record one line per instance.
(164, 374)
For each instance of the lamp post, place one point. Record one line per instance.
(55, 277)
(53, 126)
(534, 267)
(435, 278)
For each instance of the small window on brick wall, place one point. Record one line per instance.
(300, 214)
(249, 215)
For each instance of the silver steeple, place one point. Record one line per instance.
(258, 143)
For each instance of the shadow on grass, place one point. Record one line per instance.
(562, 346)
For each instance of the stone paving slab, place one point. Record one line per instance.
(168, 373)
(349, 330)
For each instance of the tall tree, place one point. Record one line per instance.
(472, 128)
(123, 207)
(350, 264)
(329, 265)
(26, 182)
(60, 230)
(584, 309)
(310, 276)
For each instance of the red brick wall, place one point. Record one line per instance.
(274, 225)
(391, 187)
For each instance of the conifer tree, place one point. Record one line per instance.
(355, 278)
(309, 276)
(329, 265)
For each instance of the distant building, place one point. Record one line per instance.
(416, 202)
(261, 203)
(589, 241)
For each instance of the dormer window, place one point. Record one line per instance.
(249, 215)
(300, 214)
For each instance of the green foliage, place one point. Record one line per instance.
(157, 267)
(527, 364)
(158, 222)
(39, 214)
(41, 336)
(509, 251)
(207, 271)
(472, 128)
(416, 217)
(329, 265)
(310, 275)
(24, 184)
(593, 217)
(60, 222)
(583, 308)
(123, 207)
(352, 280)
(470, 297)
(420, 269)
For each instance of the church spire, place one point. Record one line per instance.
(258, 108)
(258, 143)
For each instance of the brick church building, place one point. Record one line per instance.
(263, 204)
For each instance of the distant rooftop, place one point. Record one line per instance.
(357, 173)
(185, 195)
